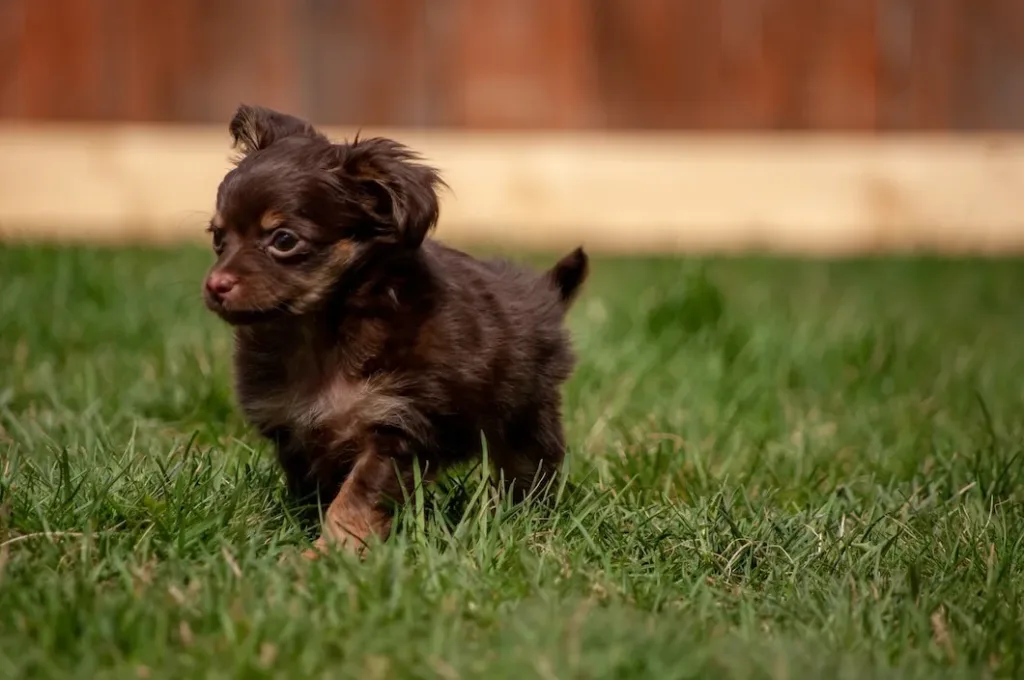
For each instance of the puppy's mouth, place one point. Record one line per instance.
(236, 315)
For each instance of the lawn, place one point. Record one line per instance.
(778, 469)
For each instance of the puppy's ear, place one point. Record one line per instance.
(397, 190)
(254, 128)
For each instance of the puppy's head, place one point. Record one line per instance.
(299, 215)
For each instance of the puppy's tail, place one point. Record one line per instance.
(568, 275)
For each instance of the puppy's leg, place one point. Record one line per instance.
(531, 448)
(311, 476)
(298, 474)
(363, 509)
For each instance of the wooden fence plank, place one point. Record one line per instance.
(514, 64)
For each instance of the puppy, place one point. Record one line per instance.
(363, 349)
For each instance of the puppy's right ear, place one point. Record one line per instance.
(254, 128)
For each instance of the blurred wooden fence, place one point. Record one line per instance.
(557, 64)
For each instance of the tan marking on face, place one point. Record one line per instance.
(341, 255)
(218, 220)
(271, 220)
(342, 252)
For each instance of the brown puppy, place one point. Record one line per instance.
(360, 346)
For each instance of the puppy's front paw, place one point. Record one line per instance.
(318, 550)
(345, 542)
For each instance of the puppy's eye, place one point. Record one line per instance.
(217, 238)
(283, 242)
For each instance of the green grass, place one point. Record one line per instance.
(779, 469)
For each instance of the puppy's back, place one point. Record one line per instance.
(504, 288)
(508, 318)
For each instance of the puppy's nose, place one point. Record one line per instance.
(220, 283)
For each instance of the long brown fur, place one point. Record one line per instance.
(362, 345)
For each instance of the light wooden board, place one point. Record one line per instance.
(611, 192)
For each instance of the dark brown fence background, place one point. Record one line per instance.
(655, 64)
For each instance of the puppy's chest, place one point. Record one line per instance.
(303, 399)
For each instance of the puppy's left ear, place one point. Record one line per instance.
(398, 191)
(254, 127)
